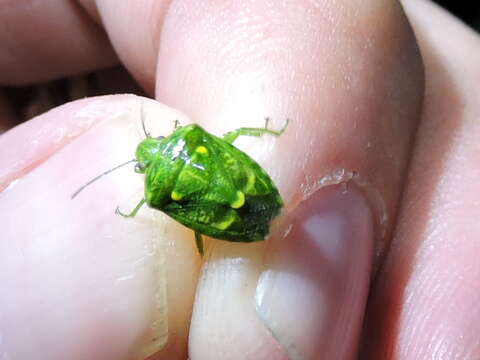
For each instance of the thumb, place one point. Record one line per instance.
(79, 282)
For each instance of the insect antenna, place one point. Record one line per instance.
(147, 135)
(99, 176)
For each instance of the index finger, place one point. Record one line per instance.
(349, 75)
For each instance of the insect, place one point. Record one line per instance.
(206, 183)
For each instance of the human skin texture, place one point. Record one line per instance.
(370, 202)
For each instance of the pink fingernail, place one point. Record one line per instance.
(313, 292)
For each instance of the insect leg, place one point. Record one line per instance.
(231, 136)
(133, 212)
(199, 242)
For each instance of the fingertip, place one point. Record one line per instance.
(86, 282)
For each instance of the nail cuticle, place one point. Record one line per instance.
(347, 178)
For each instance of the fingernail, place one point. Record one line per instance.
(312, 294)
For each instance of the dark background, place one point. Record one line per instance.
(467, 10)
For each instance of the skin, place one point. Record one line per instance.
(81, 283)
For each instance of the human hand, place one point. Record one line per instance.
(82, 283)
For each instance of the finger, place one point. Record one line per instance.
(425, 305)
(338, 71)
(137, 40)
(49, 39)
(78, 281)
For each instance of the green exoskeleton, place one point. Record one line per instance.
(206, 183)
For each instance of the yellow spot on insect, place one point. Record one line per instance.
(239, 200)
(202, 150)
(176, 196)
(222, 225)
(250, 181)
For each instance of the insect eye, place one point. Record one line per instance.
(140, 167)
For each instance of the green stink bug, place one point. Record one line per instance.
(206, 183)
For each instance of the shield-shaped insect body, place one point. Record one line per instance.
(207, 184)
